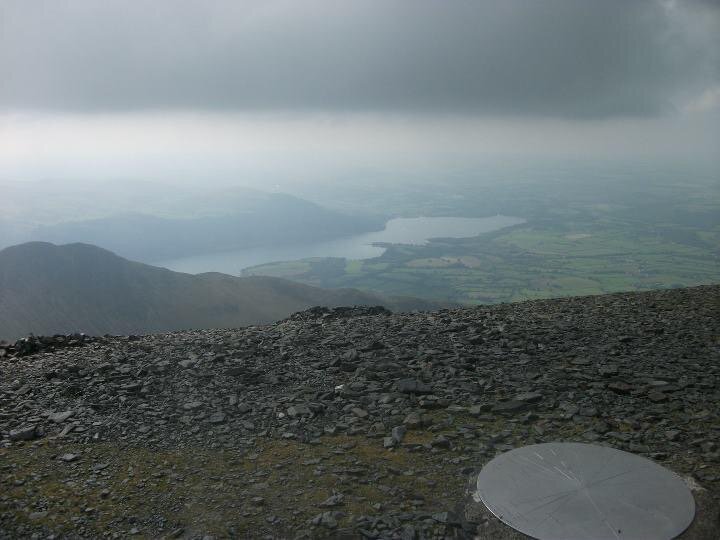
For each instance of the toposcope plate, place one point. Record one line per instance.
(573, 491)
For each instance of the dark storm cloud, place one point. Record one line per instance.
(571, 58)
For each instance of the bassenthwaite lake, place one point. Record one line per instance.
(361, 246)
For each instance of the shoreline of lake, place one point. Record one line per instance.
(414, 231)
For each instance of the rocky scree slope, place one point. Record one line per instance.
(348, 422)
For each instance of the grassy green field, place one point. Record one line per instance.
(645, 232)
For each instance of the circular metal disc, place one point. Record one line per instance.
(577, 491)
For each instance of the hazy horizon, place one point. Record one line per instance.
(280, 138)
(278, 92)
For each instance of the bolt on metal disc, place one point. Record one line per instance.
(574, 491)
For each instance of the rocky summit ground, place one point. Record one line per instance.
(346, 423)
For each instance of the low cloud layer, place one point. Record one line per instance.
(556, 58)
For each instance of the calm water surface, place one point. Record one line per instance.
(397, 231)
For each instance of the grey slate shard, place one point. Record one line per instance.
(413, 386)
(574, 491)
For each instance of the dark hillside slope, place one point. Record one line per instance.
(352, 423)
(48, 289)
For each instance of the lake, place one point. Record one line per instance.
(397, 231)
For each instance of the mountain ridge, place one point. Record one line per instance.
(49, 289)
(274, 219)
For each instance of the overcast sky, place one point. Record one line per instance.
(110, 88)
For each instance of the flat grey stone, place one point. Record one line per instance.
(510, 406)
(529, 397)
(217, 418)
(413, 386)
(60, 417)
(299, 410)
(26, 433)
(398, 433)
